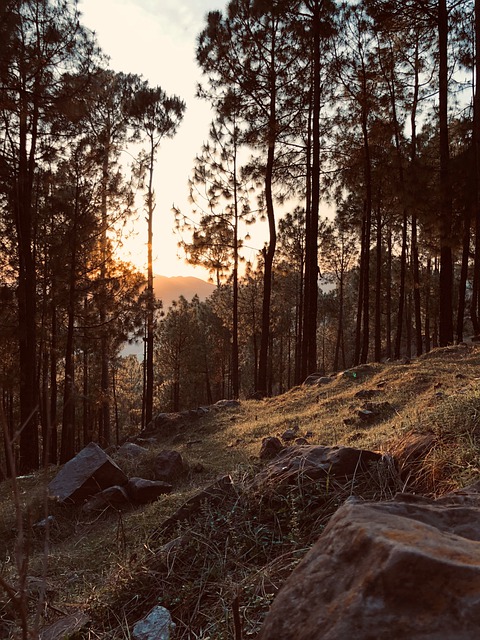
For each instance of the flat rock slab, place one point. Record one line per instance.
(144, 491)
(314, 462)
(66, 627)
(89, 472)
(408, 569)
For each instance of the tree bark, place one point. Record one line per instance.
(445, 226)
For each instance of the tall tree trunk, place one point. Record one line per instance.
(150, 294)
(401, 293)
(235, 363)
(104, 410)
(361, 287)
(378, 289)
(462, 288)
(22, 198)
(414, 235)
(427, 305)
(312, 240)
(368, 218)
(476, 146)
(268, 254)
(307, 264)
(68, 421)
(388, 294)
(446, 257)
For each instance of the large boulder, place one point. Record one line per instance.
(313, 462)
(408, 569)
(89, 472)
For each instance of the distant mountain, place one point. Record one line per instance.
(169, 289)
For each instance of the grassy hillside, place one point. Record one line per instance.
(228, 561)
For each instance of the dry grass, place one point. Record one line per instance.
(235, 556)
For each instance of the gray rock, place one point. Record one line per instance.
(115, 496)
(144, 491)
(406, 569)
(131, 450)
(89, 472)
(66, 627)
(312, 462)
(222, 404)
(271, 447)
(168, 465)
(289, 434)
(157, 625)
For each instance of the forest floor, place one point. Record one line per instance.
(222, 569)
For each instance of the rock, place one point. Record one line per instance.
(222, 404)
(112, 497)
(216, 493)
(89, 472)
(317, 379)
(143, 491)
(366, 394)
(406, 569)
(366, 416)
(271, 446)
(358, 373)
(49, 521)
(289, 434)
(168, 465)
(301, 441)
(131, 450)
(157, 625)
(66, 627)
(313, 462)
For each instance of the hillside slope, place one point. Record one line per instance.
(226, 562)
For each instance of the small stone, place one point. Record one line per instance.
(157, 625)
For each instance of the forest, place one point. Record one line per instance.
(367, 110)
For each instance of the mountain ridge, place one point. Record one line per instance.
(170, 288)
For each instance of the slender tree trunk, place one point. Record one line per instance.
(340, 321)
(312, 239)
(52, 418)
(235, 364)
(476, 145)
(462, 288)
(267, 275)
(446, 257)
(414, 238)
(307, 277)
(150, 294)
(388, 294)
(378, 289)
(427, 305)
(361, 287)
(104, 410)
(68, 421)
(401, 293)
(368, 220)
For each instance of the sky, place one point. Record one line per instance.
(157, 39)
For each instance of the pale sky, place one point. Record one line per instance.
(156, 39)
